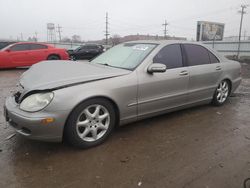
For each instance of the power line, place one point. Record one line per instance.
(203, 14)
(130, 24)
(242, 12)
(165, 29)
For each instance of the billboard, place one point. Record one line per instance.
(209, 31)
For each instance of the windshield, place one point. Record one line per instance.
(126, 56)
(77, 48)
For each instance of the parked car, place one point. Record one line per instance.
(82, 102)
(72, 49)
(27, 53)
(87, 51)
(4, 44)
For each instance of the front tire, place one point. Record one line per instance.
(222, 93)
(90, 123)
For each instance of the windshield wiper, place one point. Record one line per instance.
(108, 65)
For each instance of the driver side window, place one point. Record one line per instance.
(170, 55)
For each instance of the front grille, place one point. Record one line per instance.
(13, 124)
(17, 96)
(26, 130)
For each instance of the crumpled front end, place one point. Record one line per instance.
(42, 125)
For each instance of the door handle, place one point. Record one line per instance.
(218, 68)
(183, 73)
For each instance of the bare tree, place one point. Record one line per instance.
(76, 38)
(66, 39)
(116, 39)
(32, 39)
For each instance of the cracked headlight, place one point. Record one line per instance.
(36, 102)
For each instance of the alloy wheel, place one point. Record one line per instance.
(222, 91)
(93, 122)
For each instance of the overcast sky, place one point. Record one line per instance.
(87, 17)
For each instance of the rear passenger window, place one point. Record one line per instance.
(92, 47)
(170, 56)
(213, 58)
(196, 55)
(20, 47)
(37, 46)
(82, 48)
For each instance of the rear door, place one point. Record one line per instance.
(94, 51)
(20, 55)
(39, 52)
(81, 52)
(204, 70)
(162, 91)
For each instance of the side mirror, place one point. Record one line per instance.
(8, 50)
(157, 67)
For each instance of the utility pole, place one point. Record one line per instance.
(245, 34)
(36, 36)
(106, 30)
(165, 29)
(59, 30)
(21, 35)
(242, 12)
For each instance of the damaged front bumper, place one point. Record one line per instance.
(34, 125)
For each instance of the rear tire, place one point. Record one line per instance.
(90, 123)
(72, 57)
(53, 57)
(221, 93)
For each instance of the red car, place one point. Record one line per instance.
(27, 53)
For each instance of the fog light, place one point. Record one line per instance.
(47, 120)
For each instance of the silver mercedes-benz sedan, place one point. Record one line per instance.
(82, 102)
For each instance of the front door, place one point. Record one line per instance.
(162, 91)
(20, 55)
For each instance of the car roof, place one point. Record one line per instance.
(91, 44)
(33, 43)
(165, 42)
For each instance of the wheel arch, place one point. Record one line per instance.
(54, 54)
(230, 83)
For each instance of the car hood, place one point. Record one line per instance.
(59, 74)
